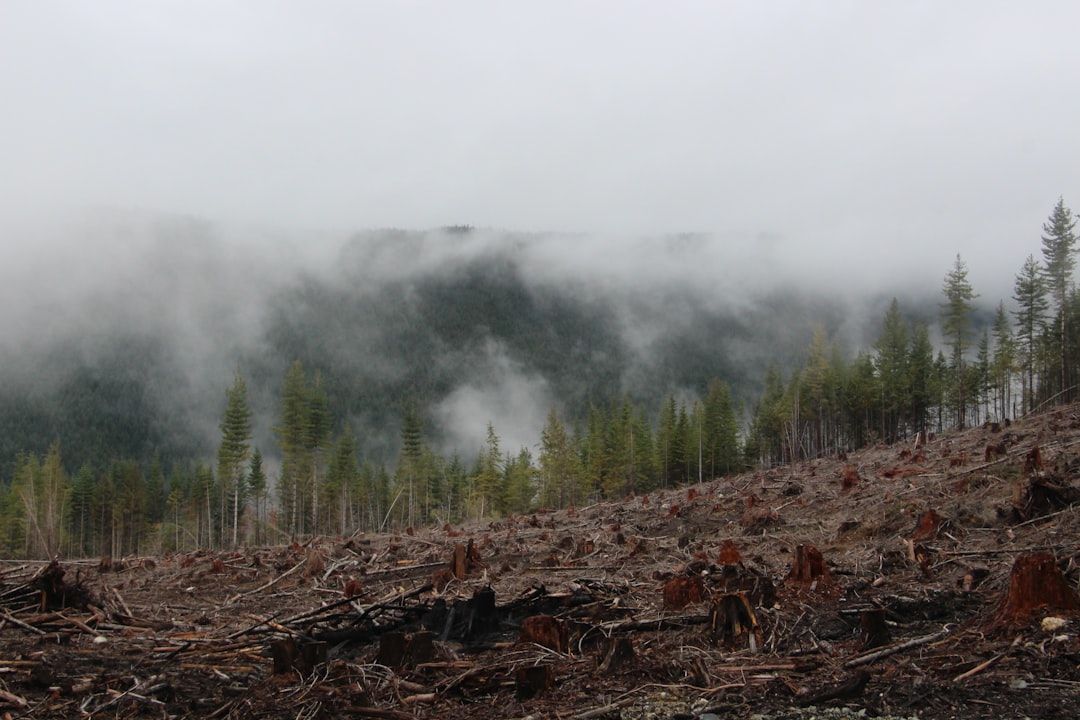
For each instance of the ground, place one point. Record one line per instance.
(934, 579)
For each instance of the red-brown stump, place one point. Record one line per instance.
(545, 631)
(808, 566)
(683, 590)
(929, 526)
(729, 553)
(1036, 584)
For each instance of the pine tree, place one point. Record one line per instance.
(341, 478)
(409, 467)
(1003, 363)
(257, 485)
(721, 430)
(234, 453)
(560, 466)
(292, 432)
(1030, 294)
(81, 515)
(1058, 249)
(956, 326)
(924, 382)
(892, 362)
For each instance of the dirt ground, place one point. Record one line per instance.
(936, 579)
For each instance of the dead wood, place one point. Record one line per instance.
(733, 623)
(1035, 583)
(545, 631)
(851, 688)
(808, 566)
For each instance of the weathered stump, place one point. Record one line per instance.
(733, 624)
(683, 590)
(392, 647)
(545, 631)
(873, 632)
(1036, 583)
(729, 553)
(808, 567)
(532, 680)
(617, 652)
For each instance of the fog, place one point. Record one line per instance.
(176, 170)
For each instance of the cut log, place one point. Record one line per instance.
(1036, 583)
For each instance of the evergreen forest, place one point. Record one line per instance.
(333, 402)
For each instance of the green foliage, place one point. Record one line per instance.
(956, 325)
(1030, 294)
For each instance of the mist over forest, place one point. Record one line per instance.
(125, 329)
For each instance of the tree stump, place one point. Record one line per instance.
(392, 649)
(808, 567)
(545, 631)
(683, 590)
(1036, 583)
(849, 477)
(930, 524)
(617, 652)
(458, 562)
(733, 623)
(729, 553)
(873, 632)
(533, 680)
(420, 649)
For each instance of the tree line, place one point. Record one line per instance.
(900, 386)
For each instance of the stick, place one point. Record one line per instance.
(982, 666)
(893, 649)
(602, 711)
(21, 624)
(273, 582)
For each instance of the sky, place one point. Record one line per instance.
(881, 136)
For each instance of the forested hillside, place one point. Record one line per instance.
(201, 392)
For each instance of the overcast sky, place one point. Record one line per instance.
(902, 132)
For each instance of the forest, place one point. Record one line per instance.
(339, 421)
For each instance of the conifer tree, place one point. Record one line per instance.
(1003, 363)
(892, 361)
(1030, 294)
(1058, 249)
(560, 466)
(234, 452)
(956, 326)
(924, 383)
(257, 485)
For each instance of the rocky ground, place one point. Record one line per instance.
(935, 579)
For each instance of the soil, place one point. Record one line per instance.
(880, 582)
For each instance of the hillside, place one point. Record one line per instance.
(133, 351)
(673, 605)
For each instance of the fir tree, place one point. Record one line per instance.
(956, 326)
(234, 451)
(1029, 292)
(1058, 250)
